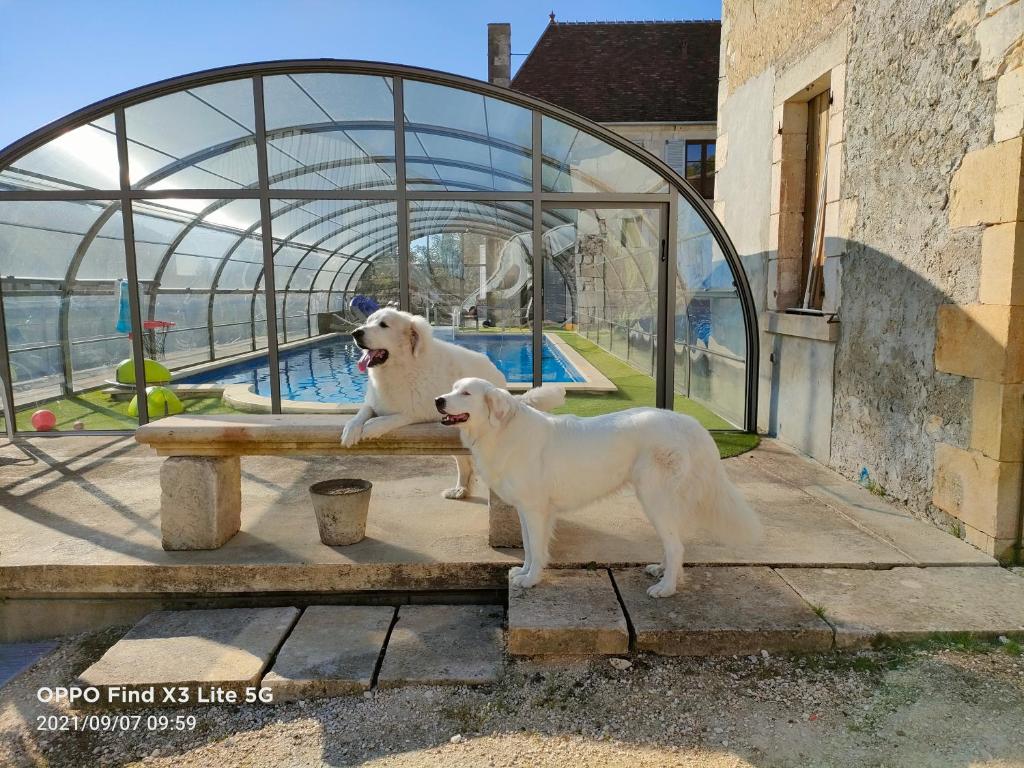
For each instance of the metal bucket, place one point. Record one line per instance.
(341, 507)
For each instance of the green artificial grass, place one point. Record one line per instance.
(97, 411)
(637, 389)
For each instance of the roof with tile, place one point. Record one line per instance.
(646, 71)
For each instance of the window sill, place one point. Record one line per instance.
(815, 327)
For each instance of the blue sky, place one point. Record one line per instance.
(59, 55)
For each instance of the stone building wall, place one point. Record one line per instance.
(915, 389)
(654, 136)
(916, 104)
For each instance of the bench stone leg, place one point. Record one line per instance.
(504, 530)
(200, 501)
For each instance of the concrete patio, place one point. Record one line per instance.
(80, 536)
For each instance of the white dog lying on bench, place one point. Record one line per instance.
(407, 367)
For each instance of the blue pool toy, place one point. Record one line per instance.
(363, 305)
(124, 323)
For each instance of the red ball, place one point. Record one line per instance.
(44, 420)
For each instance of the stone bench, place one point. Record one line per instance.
(201, 481)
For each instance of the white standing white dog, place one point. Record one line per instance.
(407, 367)
(546, 465)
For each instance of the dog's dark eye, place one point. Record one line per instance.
(383, 325)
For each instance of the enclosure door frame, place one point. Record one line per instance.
(663, 370)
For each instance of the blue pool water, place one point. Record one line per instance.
(325, 371)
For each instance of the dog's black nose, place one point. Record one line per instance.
(357, 334)
(439, 404)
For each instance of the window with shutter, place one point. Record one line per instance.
(675, 155)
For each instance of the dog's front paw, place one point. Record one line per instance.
(352, 434)
(372, 430)
(661, 589)
(655, 569)
(515, 570)
(458, 492)
(525, 580)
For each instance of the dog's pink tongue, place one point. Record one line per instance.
(364, 361)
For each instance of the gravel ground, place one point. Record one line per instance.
(946, 704)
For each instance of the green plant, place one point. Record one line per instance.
(875, 488)
(467, 719)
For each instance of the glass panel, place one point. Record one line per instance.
(203, 259)
(326, 254)
(321, 241)
(719, 384)
(575, 161)
(83, 158)
(601, 285)
(62, 263)
(201, 138)
(458, 140)
(471, 275)
(709, 332)
(328, 131)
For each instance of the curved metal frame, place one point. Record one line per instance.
(400, 193)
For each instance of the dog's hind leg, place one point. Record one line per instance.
(461, 489)
(537, 527)
(660, 507)
(655, 569)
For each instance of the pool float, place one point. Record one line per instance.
(162, 402)
(156, 373)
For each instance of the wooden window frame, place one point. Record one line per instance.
(706, 185)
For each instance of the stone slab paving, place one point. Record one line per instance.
(719, 611)
(15, 658)
(333, 650)
(778, 467)
(912, 603)
(444, 645)
(570, 613)
(226, 649)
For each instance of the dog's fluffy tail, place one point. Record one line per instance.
(546, 397)
(722, 511)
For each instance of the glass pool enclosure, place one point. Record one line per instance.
(248, 211)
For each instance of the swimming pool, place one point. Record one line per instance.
(325, 371)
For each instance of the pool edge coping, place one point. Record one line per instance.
(242, 398)
(595, 380)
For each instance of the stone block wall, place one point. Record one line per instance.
(924, 268)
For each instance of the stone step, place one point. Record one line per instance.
(333, 650)
(444, 645)
(744, 610)
(721, 611)
(570, 613)
(196, 653)
(912, 603)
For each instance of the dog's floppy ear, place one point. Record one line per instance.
(500, 406)
(420, 334)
